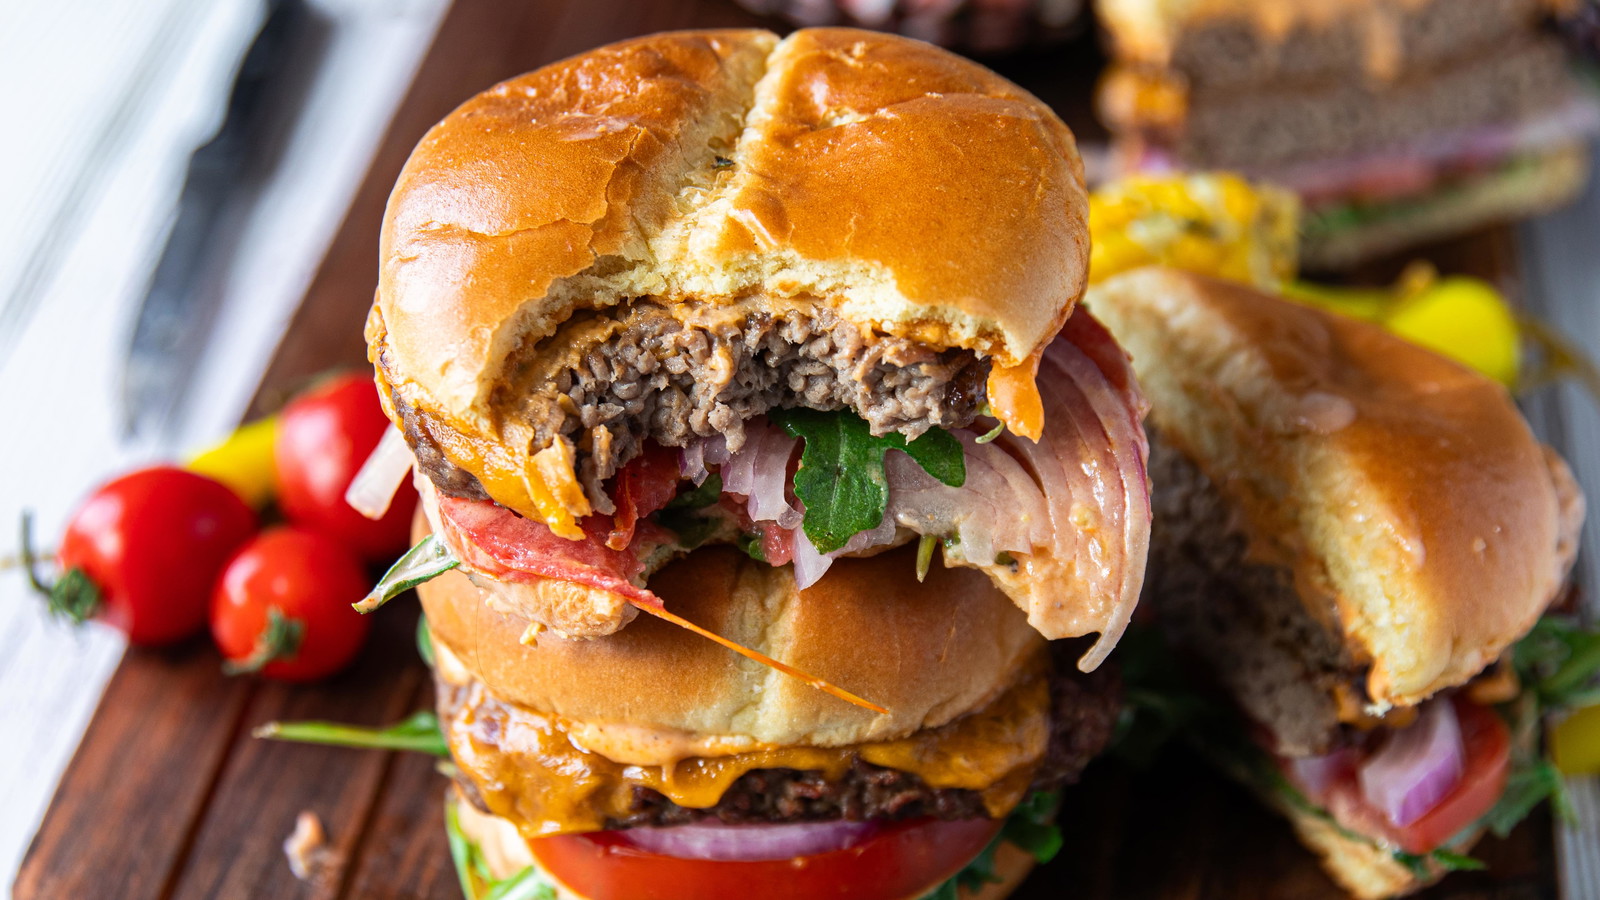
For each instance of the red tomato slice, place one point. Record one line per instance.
(904, 860)
(1488, 751)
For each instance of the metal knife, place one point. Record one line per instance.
(181, 300)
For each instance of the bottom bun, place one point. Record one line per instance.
(1365, 870)
(506, 854)
(1530, 187)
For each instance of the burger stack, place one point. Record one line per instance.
(780, 506)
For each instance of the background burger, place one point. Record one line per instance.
(739, 332)
(1356, 541)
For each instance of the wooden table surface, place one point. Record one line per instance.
(170, 797)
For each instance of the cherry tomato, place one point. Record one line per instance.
(904, 860)
(282, 606)
(1487, 741)
(143, 552)
(324, 437)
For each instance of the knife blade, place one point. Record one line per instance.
(180, 301)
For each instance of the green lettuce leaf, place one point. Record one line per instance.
(1030, 827)
(473, 871)
(841, 479)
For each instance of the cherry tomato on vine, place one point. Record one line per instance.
(144, 550)
(282, 606)
(324, 436)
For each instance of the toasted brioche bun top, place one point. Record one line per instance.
(1419, 515)
(904, 187)
(929, 652)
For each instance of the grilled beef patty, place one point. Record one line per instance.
(1244, 621)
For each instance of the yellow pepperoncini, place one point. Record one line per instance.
(242, 461)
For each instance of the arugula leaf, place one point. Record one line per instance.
(1526, 787)
(1030, 827)
(841, 479)
(751, 545)
(709, 492)
(419, 731)
(424, 641)
(429, 559)
(1559, 660)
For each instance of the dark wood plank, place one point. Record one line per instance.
(127, 808)
(404, 854)
(265, 785)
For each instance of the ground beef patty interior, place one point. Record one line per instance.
(1244, 621)
(608, 379)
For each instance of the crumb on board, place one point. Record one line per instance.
(306, 847)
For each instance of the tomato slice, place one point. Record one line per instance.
(1488, 764)
(901, 861)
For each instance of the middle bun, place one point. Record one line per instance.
(929, 652)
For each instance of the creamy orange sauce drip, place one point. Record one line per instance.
(1014, 397)
(528, 769)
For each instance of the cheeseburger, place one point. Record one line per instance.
(1396, 121)
(1353, 535)
(740, 333)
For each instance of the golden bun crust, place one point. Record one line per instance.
(1421, 518)
(907, 188)
(929, 652)
(506, 854)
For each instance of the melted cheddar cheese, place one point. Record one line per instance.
(528, 768)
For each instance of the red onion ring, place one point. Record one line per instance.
(746, 843)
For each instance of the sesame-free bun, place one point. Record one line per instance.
(929, 652)
(1420, 518)
(909, 190)
(506, 853)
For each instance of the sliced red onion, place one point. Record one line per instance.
(1314, 775)
(374, 487)
(769, 485)
(1090, 466)
(692, 463)
(809, 565)
(745, 843)
(759, 471)
(1417, 766)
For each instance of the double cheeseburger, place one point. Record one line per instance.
(1353, 535)
(1396, 121)
(740, 333)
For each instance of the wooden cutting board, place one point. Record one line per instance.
(170, 797)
